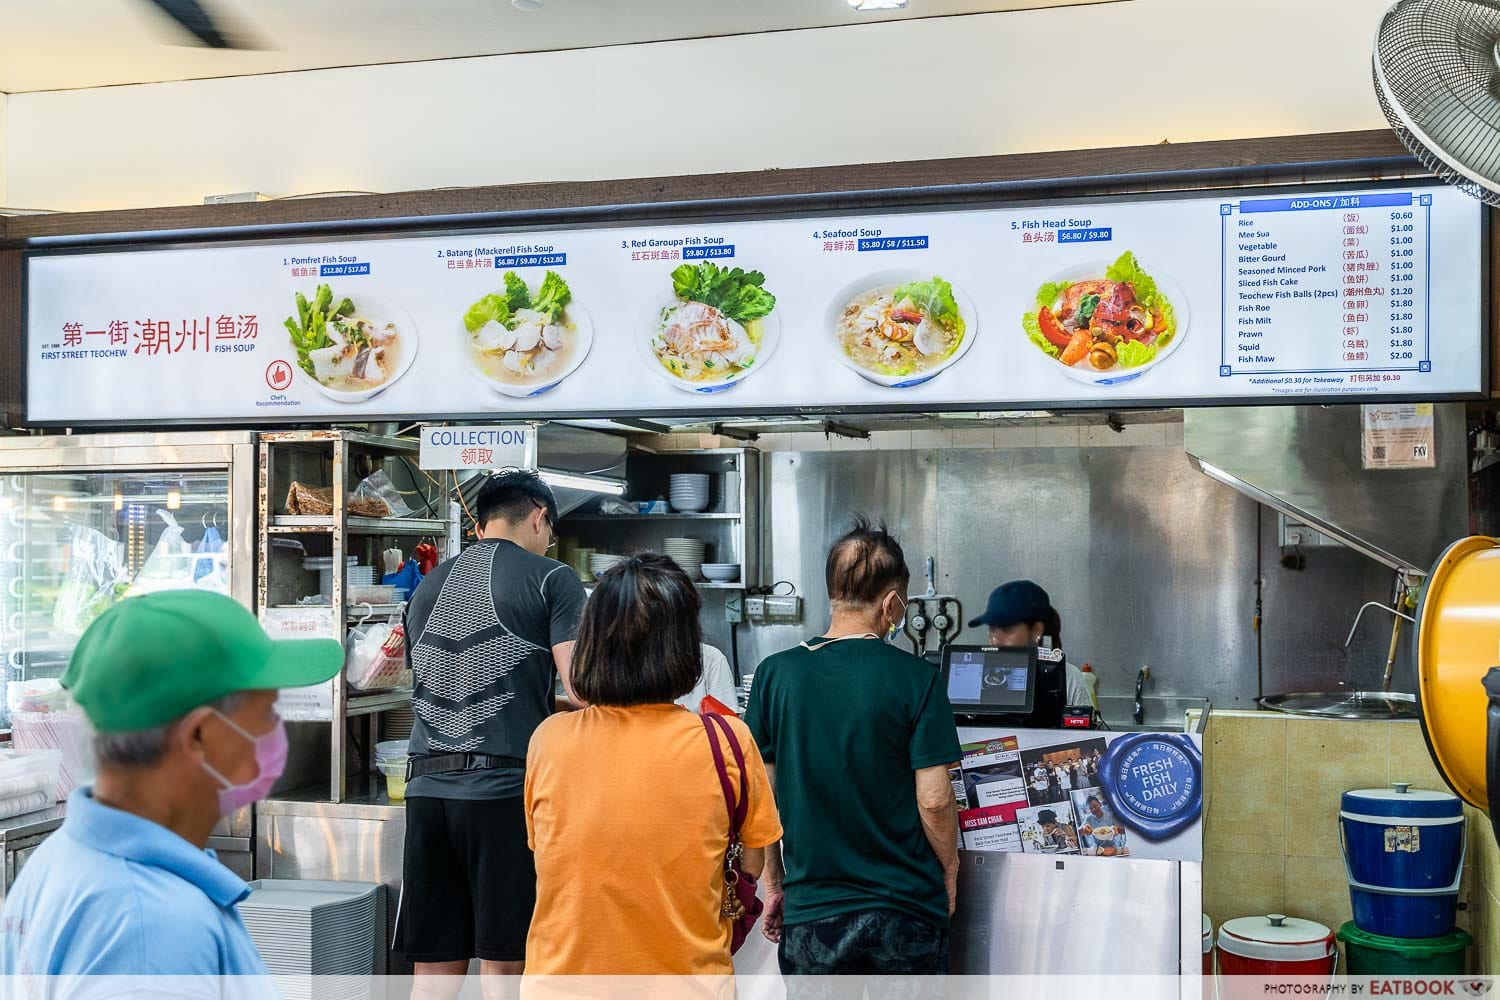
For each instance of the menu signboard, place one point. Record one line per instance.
(1322, 294)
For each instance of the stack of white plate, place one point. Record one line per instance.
(689, 492)
(601, 562)
(396, 723)
(687, 553)
(311, 928)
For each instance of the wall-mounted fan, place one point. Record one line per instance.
(1437, 73)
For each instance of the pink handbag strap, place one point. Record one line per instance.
(737, 810)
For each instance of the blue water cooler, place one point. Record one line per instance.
(1404, 852)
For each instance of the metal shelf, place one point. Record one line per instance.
(294, 524)
(283, 455)
(377, 701)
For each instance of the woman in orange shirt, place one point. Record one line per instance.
(624, 807)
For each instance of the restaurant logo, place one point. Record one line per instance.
(1155, 783)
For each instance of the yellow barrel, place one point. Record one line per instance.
(1458, 641)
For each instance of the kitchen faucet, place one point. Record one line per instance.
(1141, 677)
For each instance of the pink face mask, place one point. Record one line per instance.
(270, 758)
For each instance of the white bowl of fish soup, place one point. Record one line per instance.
(854, 322)
(1084, 371)
(520, 366)
(708, 352)
(347, 374)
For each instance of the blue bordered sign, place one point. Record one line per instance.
(1154, 781)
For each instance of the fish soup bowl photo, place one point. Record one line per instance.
(716, 329)
(351, 348)
(901, 328)
(522, 341)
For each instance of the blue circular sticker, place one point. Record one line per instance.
(1154, 781)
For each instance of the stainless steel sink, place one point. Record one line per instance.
(1162, 714)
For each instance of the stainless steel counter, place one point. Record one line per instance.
(21, 835)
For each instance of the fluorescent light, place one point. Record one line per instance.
(591, 484)
(869, 5)
(526, 5)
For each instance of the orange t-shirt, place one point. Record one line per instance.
(627, 818)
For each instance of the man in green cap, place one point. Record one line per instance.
(181, 689)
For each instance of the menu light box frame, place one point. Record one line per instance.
(1279, 294)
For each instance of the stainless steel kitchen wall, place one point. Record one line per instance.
(1148, 561)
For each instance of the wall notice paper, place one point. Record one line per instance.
(1399, 436)
(1325, 294)
(305, 704)
(1112, 795)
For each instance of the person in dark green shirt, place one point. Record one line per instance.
(858, 736)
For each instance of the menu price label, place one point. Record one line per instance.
(1354, 268)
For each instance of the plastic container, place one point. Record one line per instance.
(1276, 945)
(1403, 852)
(69, 734)
(379, 593)
(1376, 955)
(391, 749)
(395, 778)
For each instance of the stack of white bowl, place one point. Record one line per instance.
(601, 562)
(689, 492)
(687, 553)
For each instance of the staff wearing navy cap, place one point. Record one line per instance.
(1020, 613)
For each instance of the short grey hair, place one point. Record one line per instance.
(145, 747)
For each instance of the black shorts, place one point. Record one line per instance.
(468, 881)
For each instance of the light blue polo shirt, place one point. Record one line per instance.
(113, 894)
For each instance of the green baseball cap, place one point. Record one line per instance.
(151, 659)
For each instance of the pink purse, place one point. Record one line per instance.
(741, 904)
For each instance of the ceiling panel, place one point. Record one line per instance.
(67, 44)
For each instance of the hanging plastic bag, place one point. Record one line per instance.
(376, 489)
(95, 579)
(170, 564)
(375, 658)
(207, 547)
(426, 556)
(405, 579)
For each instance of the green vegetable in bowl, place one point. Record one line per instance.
(935, 299)
(309, 329)
(736, 293)
(551, 298)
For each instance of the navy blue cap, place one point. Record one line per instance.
(1013, 603)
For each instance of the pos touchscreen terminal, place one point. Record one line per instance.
(1003, 684)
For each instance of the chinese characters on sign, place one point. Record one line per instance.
(158, 336)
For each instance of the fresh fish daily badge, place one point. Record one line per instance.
(1155, 783)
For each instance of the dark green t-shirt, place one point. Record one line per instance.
(846, 723)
